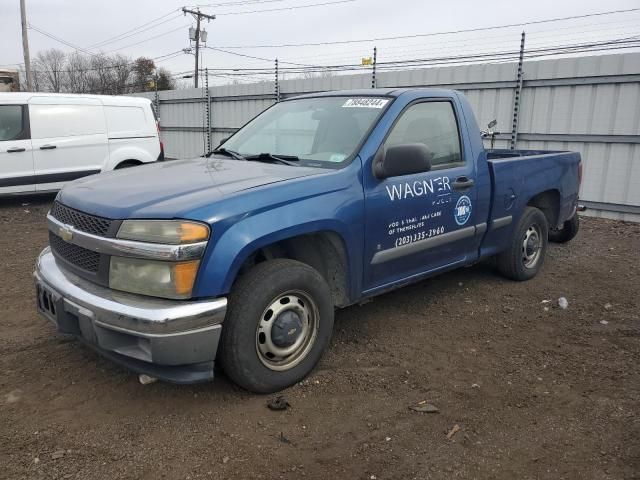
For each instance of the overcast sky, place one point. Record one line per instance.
(88, 22)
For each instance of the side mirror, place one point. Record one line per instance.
(403, 159)
(223, 140)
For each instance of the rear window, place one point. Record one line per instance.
(11, 124)
(48, 121)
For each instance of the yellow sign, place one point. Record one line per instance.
(367, 61)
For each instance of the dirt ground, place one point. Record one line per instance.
(536, 391)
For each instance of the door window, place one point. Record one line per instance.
(434, 125)
(11, 123)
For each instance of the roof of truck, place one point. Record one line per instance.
(387, 92)
(24, 97)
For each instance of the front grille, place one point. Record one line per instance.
(78, 256)
(80, 220)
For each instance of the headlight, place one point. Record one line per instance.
(173, 232)
(156, 278)
(149, 277)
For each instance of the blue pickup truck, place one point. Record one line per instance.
(241, 257)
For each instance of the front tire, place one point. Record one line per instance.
(278, 324)
(525, 255)
(567, 232)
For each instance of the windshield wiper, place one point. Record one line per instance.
(270, 157)
(227, 152)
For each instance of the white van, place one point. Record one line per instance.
(48, 139)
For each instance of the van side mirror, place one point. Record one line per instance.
(223, 140)
(403, 159)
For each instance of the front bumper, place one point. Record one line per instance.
(169, 339)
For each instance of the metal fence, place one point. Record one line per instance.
(590, 104)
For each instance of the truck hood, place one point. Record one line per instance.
(173, 188)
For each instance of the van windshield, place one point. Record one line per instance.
(322, 131)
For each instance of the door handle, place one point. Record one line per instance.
(48, 147)
(463, 183)
(16, 149)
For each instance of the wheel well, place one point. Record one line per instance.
(323, 251)
(549, 203)
(128, 163)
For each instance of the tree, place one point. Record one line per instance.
(143, 73)
(77, 72)
(165, 80)
(318, 74)
(122, 71)
(102, 75)
(50, 65)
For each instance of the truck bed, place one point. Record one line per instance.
(500, 153)
(517, 177)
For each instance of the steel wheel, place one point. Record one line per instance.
(287, 330)
(531, 245)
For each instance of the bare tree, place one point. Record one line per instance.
(121, 74)
(50, 65)
(102, 75)
(78, 73)
(318, 74)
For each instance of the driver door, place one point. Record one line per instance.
(16, 155)
(421, 222)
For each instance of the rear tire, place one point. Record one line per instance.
(524, 257)
(127, 164)
(567, 232)
(278, 324)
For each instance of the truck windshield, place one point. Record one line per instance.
(322, 131)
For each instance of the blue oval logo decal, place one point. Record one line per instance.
(462, 212)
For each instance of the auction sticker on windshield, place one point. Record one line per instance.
(366, 102)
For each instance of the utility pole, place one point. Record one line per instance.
(198, 16)
(25, 45)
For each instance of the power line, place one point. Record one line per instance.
(149, 39)
(286, 8)
(58, 39)
(256, 58)
(137, 32)
(110, 39)
(627, 42)
(476, 42)
(229, 4)
(417, 35)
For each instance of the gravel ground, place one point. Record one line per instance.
(535, 391)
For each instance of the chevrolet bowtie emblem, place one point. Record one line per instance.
(66, 233)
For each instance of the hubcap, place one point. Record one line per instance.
(531, 245)
(287, 330)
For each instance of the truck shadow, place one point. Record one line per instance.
(33, 200)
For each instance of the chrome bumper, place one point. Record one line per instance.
(170, 339)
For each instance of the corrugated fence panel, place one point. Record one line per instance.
(589, 104)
